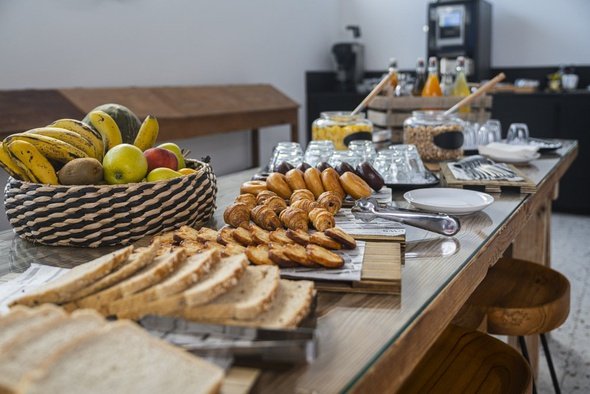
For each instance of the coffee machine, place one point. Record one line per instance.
(350, 61)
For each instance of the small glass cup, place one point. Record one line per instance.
(346, 156)
(496, 127)
(313, 156)
(518, 134)
(324, 147)
(290, 152)
(364, 149)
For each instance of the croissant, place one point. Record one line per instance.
(237, 215)
(330, 201)
(302, 194)
(248, 199)
(265, 217)
(294, 219)
(276, 203)
(263, 196)
(305, 205)
(321, 219)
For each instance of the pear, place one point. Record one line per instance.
(162, 173)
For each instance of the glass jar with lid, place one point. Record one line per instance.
(437, 136)
(341, 128)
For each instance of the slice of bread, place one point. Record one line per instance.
(38, 317)
(63, 288)
(253, 295)
(291, 304)
(189, 273)
(138, 260)
(32, 346)
(154, 273)
(122, 358)
(222, 277)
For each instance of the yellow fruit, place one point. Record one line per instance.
(49, 147)
(124, 163)
(187, 171)
(85, 131)
(162, 173)
(176, 150)
(148, 133)
(10, 165)
(107, 127)
(68, 136)
(33, 160)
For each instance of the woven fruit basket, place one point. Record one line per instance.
(109, 215)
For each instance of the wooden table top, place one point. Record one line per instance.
(370, 343)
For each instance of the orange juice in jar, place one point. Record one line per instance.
(432, 85)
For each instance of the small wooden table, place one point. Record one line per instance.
(183, 112)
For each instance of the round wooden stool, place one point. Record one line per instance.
(523, 298)
(465, 361)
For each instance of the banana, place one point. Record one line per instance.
(27, 170)
(68, 136)
(49, 147)
(85, 131)
(107, 127)
(30, 156)
(148, 133)
(11, 166)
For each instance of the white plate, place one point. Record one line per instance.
(512, 160)
(448, 200)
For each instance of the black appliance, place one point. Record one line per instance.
(350, 61)
(462, 28)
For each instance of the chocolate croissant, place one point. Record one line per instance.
(237, 215)
(302, 194)
(265, 217)
(331, 201)
(294, 219)
(248, 199)
(276, 203)
(321, 219)
(263, 196)
(305, 205)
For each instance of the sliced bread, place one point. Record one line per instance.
(253, 295)
(160, 268)
(32, 346)
(291, 304)
(222, 276)
(138, 260)
(186, 275)
(63, 288)
(37, 318)
(122, 358)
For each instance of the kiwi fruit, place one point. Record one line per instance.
(86, 171)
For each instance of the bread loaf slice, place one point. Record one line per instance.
(138, 260)
(154, 273)
(217, 281)
(122, 358)
(252, 296)
(63, 288)
(32, 346)
(13, 327)
(189, 273)
(291, 304)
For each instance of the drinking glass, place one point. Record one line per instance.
(469, 136)
(364, 149)
(346, 156)
(290, 152)
(324, 147)
(496, 127)
(518, 134)
(393, 165)
(486, 135)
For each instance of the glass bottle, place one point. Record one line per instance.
(432, 85)
(393, 79)
(420, 77)
(446, 78)
(461, 88)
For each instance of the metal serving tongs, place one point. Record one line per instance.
(368, 209)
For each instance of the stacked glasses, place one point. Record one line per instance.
(476, 135)
(401, 164)
(289, 152)
(318, 152)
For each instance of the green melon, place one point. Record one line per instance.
(127, 121)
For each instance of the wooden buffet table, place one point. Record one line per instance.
(371, 343)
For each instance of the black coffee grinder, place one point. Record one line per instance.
(350, 61)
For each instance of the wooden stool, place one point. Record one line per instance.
(523, 298)
(465, 361)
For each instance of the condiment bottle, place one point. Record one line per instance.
(393, 79)
(432, 86)
(461, 88)
(446, 78)
(420, 77)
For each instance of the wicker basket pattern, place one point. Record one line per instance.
(109, 215)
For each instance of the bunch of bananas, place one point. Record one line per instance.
(35, 154)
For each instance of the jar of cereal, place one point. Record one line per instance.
(341, 128)
(437, 136)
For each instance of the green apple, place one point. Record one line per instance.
(176, 150)
(161, 173)
(124, 163)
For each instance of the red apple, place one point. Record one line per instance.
(158, 157)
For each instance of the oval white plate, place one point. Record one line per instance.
(512, 160)
(448, 200)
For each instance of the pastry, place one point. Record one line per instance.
(323, 256)
(253, 187)
(283, 167)
(321, 219)
(237, 215)
(294, 219)
(303, 166)
(298, 254)
(276, 203)
(370, 175)
(258, 255)
(243, 236)
(319, 238)
(259, 235)
(302, 194)
(331, 182)
(248, 199)
(232, 249)
(295, 179)
(313, 181)
(263, 196)
(339, 235)
(280, 236)
(306, 205)
(298, 236)
(355, 186)
(278, 256)
(344, 167)
(224, 236)
(265, 217)
(206, 234)
(323, 165)
(277, 183)
(330, 201)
